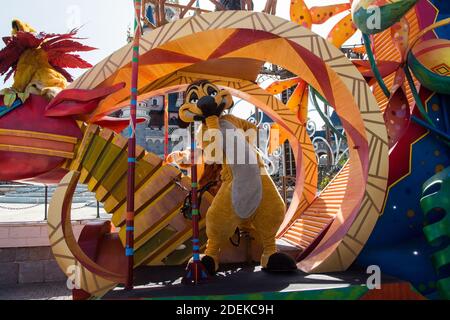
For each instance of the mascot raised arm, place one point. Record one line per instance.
(247, 195)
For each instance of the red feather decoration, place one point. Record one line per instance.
(60, 48)
(65, 74)
(66, 46)
(10, 72)
(29, 40)
(64, 60)
(55, 37)
(9, 57)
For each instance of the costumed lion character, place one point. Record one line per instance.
(38, 101)
(38, 62)
(246, 197)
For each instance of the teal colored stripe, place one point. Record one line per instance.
(129, 252)
(131, 160)
(4, 109)
(129, 229)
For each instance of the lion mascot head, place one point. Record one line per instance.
(204, 99)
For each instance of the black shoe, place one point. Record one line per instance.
(280, 262)
(209, 264)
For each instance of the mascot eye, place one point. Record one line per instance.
(212, 92)
(193, 98)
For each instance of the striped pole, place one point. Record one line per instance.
(129, 250)
(196, 272)
(166, 127)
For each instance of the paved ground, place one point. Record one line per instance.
(24, 203)
(22, 213)
(44, 291)
(166, 282)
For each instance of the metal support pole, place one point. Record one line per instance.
(291, 161)
(258, 120)
(284, 189)
(328, 138)
(166, 127)
(98, 210)
(46, 204)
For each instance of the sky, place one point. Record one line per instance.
(105, 22)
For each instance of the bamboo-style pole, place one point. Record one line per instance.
(196, 272)
(129, 250)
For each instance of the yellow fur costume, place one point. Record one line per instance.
(38, 61)
(18, 25)
(34, 74)
(247, 197)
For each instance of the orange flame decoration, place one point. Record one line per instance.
(298, 102)
(398, 112)
(306, 17)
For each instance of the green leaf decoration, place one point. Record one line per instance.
(9, 98)
(23, 96)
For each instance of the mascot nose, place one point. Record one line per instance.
(207, 102)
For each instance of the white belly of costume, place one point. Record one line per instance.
(247, 182)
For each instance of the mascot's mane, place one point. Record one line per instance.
(60, 50)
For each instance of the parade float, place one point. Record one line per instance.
(393, 106)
